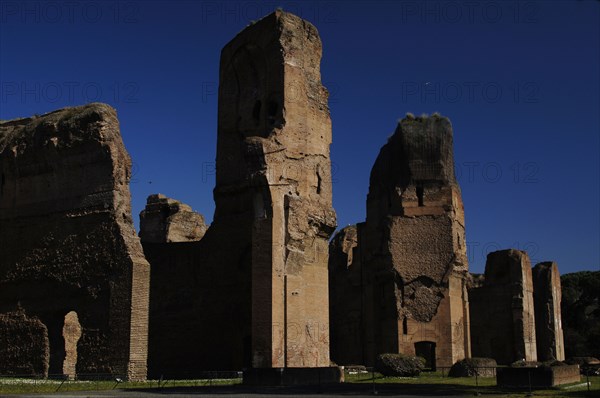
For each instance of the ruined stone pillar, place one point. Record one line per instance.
(548, 324)
(415, 249)
(274, 177)
(502, 310)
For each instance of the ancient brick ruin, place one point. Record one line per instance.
(68, 241)
(166, 220)
(411, 252)
(24, 347)
(274, 176)
(548, 324)
(515, 311)
(502, 310)
(251, 291)
(264, 258)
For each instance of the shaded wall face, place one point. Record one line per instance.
(68, 243)
(492, 334)
(24, 347)
(502, 310)
(273, 148)
(346, 298)
(199, 307)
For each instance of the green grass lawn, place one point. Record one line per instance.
(429, 383)
(435, 383)
(21, 386)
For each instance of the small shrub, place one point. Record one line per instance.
(399, 365)
(583, 361)
(483, 367)
(588, 365)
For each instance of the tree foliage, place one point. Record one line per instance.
(580, 308)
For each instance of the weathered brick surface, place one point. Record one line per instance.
(71, 334)
(24, 349)
(412, 262)
(548, 323)
(67, 241)
(273, 151)
(253, 291)
(166, 220)
(502, 310)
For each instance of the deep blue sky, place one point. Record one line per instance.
(518, 79)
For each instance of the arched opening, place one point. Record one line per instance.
(71, 334)
(426, 349)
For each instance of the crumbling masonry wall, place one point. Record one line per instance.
(24, 349)
(252, 292)
(502, 310)
(416, 248)
(166, 220)
(273, 168)
(548, 324)
(412, 253)
(67, 241)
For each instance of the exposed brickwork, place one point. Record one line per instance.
(71, 334)
(68, 242)
(273, 168)
(24, 348)
(502, 310)
(412, 262)
(547, 297)
(253, 291)
(166, 220)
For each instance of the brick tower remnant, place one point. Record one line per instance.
(548, 324)
(502, 310)
(415, 250)
(274, 180)
(69, 254)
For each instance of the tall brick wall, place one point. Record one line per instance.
(253, 291)
(273, 167)
(67, 241)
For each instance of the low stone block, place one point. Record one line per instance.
(541, 377)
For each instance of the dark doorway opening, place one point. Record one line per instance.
(426, 349)
(420, 195)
